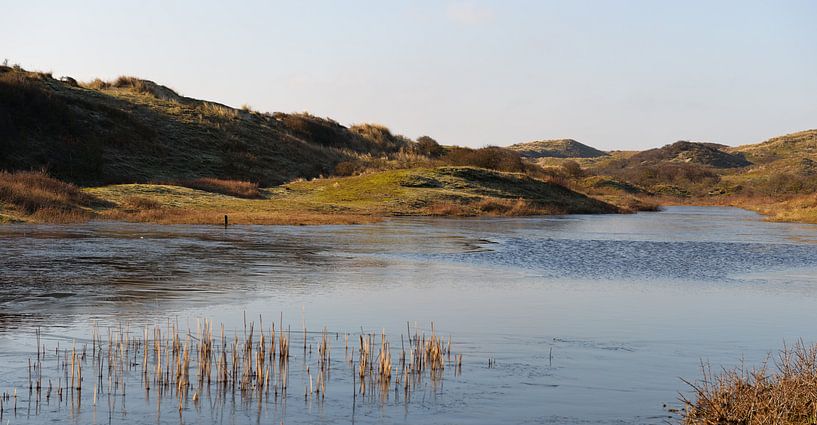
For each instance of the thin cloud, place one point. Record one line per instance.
(469, 13)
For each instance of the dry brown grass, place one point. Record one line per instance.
(219, 110)
(61, 216)
(43, 198)
(793, 208)
(491, 206)
(134, 84)
(140, 203)
(381, 136)
(238, 188)
(449, 209)
(514, 207)
(785, 395)
(96, 84)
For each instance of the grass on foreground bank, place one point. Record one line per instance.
(36, 197)
(785, 395)
(443, 191)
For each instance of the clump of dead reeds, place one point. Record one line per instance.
(237, 188)
(44, 198)
(783, 394)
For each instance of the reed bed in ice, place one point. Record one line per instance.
(210, 366)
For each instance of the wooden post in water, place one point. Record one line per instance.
(225, 221)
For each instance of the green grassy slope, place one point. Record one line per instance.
(417, 190)
(425, 191)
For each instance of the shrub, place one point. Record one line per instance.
(780, 184)
(572, 169)
(429, 147)
(689, 177)
(346, 168)
(787, 395)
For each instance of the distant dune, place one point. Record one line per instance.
(709, 154)
(562, 148)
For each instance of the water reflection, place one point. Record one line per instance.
(589, 318)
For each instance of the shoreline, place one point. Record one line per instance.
(303, 218)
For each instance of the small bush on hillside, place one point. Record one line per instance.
(572, 169)
(346, 168)
(429, 147)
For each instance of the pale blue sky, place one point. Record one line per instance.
(613, 74)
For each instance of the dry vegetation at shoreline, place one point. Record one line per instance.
(35, 195)
(237, 188)
(783, 394)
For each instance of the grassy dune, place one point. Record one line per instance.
(144, 152)
(131, 130)
(777, 178)
(425, 191)
(460, 191)
(563, 148)
(445, 191)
